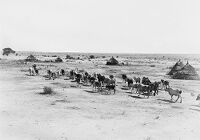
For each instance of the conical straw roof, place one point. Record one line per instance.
(112, 61)
(188, 72)
(178, 66)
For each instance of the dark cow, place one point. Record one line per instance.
(165, 84)
(85, 78)
(135, 86)
(137, 79)
(144, 90)
(128, 80)
(100, 78)
(91, 79)
(96, 86)
(62, 72)
(124, 77)
(78, 77)
(111, 84)
(154, 88)
(146, 81)
(51, 74)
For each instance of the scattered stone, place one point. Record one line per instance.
(198, 97)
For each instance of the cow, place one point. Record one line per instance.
(31, 71)
(146, 81)
(165, 84)
(144, 90)
(124, 77)
(111, 85)
(173, 92)
(137, 79)
(128, 80)
(154, 87)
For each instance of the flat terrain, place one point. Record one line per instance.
(80, 114)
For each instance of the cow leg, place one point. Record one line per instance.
(181, 99)
(177, 98)
(114, 90)
(92, 87)
(131, 90)
(171, 97)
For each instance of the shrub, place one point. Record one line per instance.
(31, 58)
(7, 51)
(58, 59)
(68, 57)
(91, 56)
(47, 90)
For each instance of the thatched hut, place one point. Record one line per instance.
(178, 66)
(31, 58)
(58, 59)
(112, 61)
(188, 72)
(7, 51)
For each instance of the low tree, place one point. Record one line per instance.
(58, 59)
(91, 57)
(31, 58)
(7, 51)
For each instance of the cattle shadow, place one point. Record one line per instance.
(90, 91)
(195, 109)
(164, 100)
(67, 79)
(48, 79)
(29, 75)
(86, 85)
(136, 97)
(46, 76)
(125, 88)
(196, 105)
(129, 92)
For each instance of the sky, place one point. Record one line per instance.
(101, 26)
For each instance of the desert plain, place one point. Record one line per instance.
(78, 113)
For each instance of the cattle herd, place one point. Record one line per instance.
(102, 83)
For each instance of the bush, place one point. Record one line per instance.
(47, 90)
(92, 57)
(68, 57)
(7, 51)
(58, 59)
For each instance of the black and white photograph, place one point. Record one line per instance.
(99, 70)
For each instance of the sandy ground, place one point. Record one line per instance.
(80, 114)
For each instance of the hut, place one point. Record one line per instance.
(112, 61)
(188, 72)
(7, 51)
(31, 58)
(58, 59)
(178, 66)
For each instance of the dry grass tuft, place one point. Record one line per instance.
(47, 91)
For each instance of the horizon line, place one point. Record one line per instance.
(109, 52)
